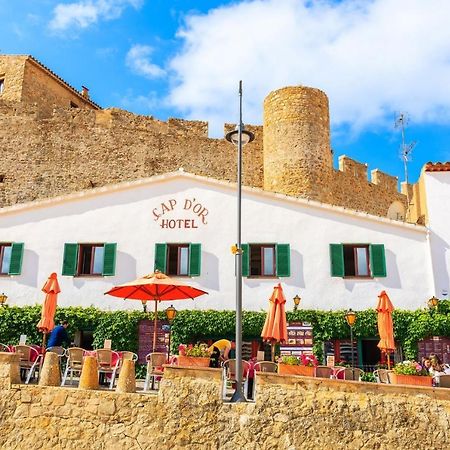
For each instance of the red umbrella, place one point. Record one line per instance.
(385, 325)
(158, 287)
(275, 326)
(51, 289)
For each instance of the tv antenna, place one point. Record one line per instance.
(401, 121)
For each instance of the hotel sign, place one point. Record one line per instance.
(165, 212)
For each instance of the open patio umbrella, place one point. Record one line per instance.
(275, 326)
(385, 325)
(47, 322)
(158, 287)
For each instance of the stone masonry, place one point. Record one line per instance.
(49, 148)
(290, 413)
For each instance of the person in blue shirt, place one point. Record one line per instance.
(59, 335)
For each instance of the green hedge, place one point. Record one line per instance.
(191, 326)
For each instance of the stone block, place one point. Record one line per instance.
(51, 370)
(127, 377)
(89, 374)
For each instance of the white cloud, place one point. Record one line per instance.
(371, 57)
(83, 13)
(138, 60)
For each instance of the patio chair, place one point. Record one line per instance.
(107, 365)
(74, 363)
(381, 376)
(389, 376)
(60, 351)
(353, 374)
(155, 363)
(129, 355)
(263, 366)
(30, 361)
(444, 381)
(323, 372)
(5, 348)
(338, 373)
(229, 375)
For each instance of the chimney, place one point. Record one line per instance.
(84, 91)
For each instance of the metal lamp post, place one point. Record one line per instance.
(3, 298)
(296, 299)
(239, 137)
(350, 317)
(171, 313)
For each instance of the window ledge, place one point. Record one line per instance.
(361, 277)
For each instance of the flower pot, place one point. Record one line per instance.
(416, 380)
(287, 369)
(193, 361)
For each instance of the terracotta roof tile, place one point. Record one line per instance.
(437, 167)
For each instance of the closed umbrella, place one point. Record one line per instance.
(275, 326)
(47, 322)
(158, 287)
(385, 325)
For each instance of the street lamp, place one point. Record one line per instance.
(296, 302)
(144, 305)
(350, 317)
(3, 298)
(171, 313)
(433, 302)
(239, 137)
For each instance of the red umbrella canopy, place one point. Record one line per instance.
(155, 286)
(275, 326)
(385, 323)
(51, 289)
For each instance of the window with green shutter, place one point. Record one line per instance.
(266, 260)
(283, 260)
(178, 259)
(11, 255)
(109, 260)
(70, 259)
(357, 260)
(245, 259)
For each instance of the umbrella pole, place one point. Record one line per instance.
(272, 348)
(388, 360)
(155, 324)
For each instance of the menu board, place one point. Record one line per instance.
(437, 345)
(145, 338)
(300, 339)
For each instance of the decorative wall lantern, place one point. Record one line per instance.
(296, 299)
(3, 298)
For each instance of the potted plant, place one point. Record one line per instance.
(297, 365)
(193, 355)
(411, 372)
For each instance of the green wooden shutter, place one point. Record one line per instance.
(195, 259)
(15, 266)
(109, 260)
(377, 260)
(161, 257)
(70, 259)
(283, 255)
(245, 259)
(337, 260)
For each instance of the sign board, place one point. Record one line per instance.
(107, 344)
(438, 345)
(330, 361)
(23, 339)
(145, 338)
(300, 339)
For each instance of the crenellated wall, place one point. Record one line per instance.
(290, 412)
(49, 149)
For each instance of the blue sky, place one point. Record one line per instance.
(184, 59)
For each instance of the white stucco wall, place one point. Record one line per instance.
(125, 216)
(437, 188)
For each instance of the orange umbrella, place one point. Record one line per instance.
(275, 326)
(158, 287)
(385, 325)
(51, 289)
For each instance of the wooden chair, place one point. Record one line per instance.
(229, 375)
(324, 372)
(30, 360)
(106, 365)
(74, 363)
(353, 374)
(444, 381)
(155, 362)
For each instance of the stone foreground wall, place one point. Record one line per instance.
(289, 413)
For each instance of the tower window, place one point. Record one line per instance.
(2, 84)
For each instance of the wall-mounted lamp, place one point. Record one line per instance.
(296, 299)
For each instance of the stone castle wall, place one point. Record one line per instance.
(49, 149)
(289, 413)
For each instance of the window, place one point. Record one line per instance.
(357, 260)
(89, 259)
(11, 258)
(2, 84)
(266, 260)
(178, 259)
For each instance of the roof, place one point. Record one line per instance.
(112, 188)
(437, 167)
(61, 81)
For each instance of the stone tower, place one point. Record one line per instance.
(297, 153)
